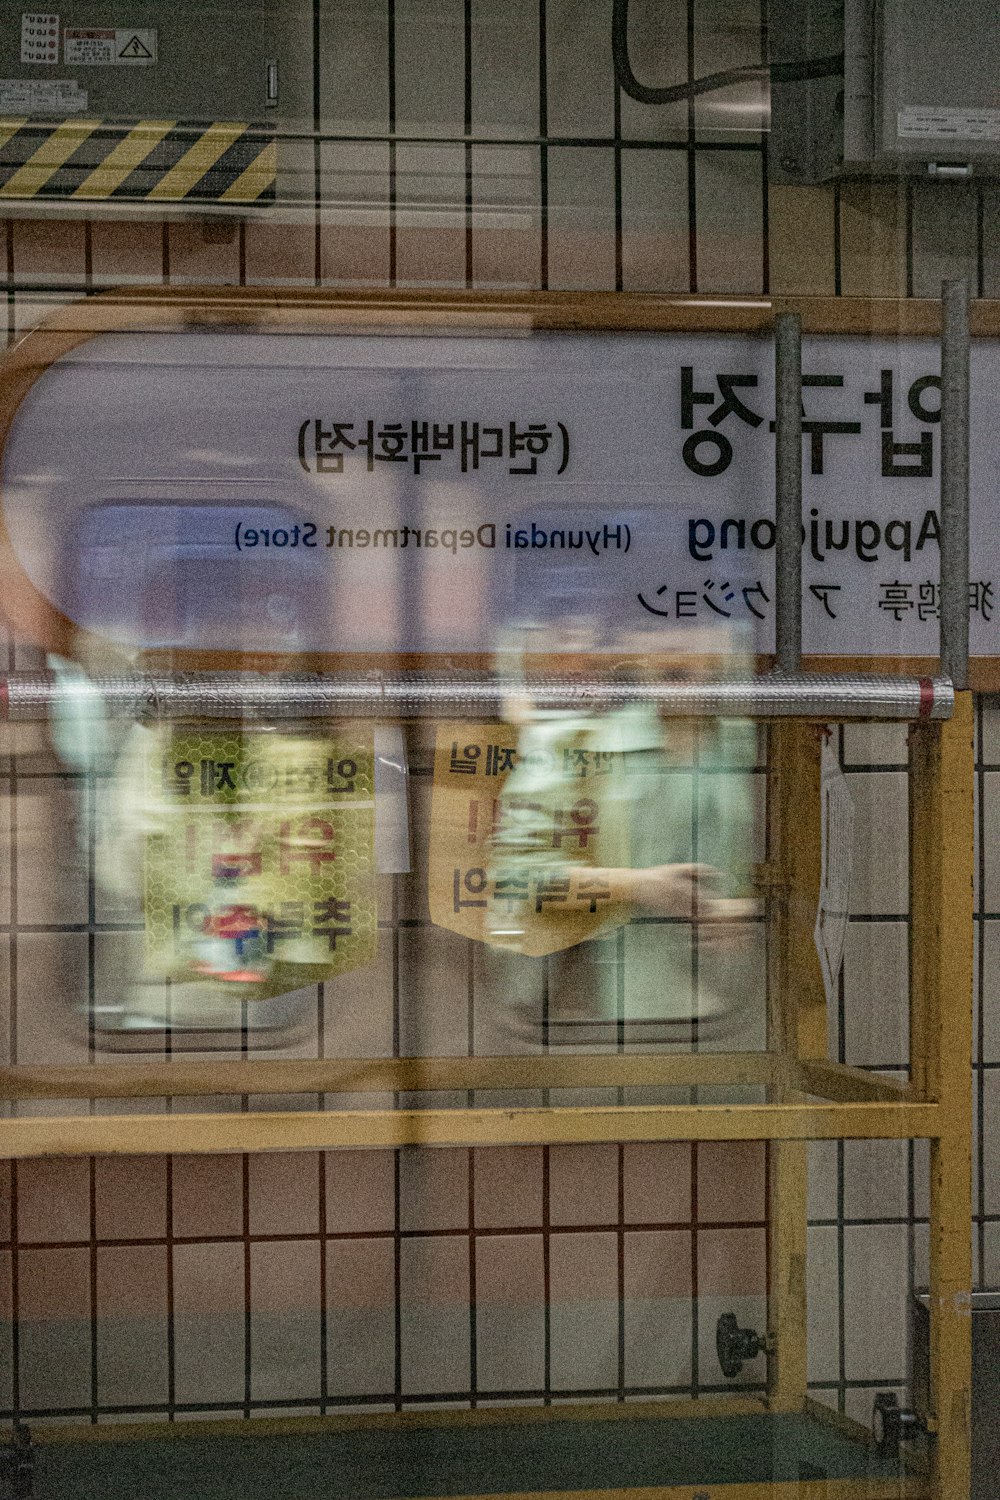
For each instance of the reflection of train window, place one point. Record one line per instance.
(162, 578)
(169, 574)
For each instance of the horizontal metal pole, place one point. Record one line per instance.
(200, 696)
(788, 490)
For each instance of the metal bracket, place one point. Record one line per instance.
(736, 1346)
(893, 1424)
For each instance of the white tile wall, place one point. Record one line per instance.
(379, 1312)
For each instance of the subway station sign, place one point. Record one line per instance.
(337, 491)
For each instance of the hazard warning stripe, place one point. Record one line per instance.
(154, 160)
(253, 182)
(196, 161)
(123, 158)
(30, 179)
(11, 127)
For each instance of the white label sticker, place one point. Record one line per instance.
(108, 47)
(34, 96)
(39, 37)
(920, 120)
(835, 879)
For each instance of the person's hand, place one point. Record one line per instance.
(686, 891)
(675, 890)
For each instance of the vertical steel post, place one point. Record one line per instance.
(793, 970)
(955, 482)
(788, 490)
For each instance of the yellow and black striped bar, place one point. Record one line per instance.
(155, 161)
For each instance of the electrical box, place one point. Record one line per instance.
(168, 104)
(985, 1382)
(918, 92)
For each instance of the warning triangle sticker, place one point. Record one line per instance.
(135, 48)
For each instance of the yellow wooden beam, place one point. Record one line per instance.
(941, 848)
(85, 1135)
(801, 1489)
(181, 1078)
(796, 1031)
(705, 1408)
(830, 1080)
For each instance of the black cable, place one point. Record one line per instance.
(790, 72)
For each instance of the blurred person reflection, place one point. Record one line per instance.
(672, 826)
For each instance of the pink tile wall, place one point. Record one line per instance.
(363, 1279)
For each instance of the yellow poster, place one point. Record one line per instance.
(529, 904)
(259, 862)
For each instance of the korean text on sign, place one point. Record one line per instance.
(325, 446)
(471, 813)
(260, 866)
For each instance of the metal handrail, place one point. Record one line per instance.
(26, 696)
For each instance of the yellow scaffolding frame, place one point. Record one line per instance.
(807, 1097)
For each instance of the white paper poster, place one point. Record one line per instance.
(835, 880)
